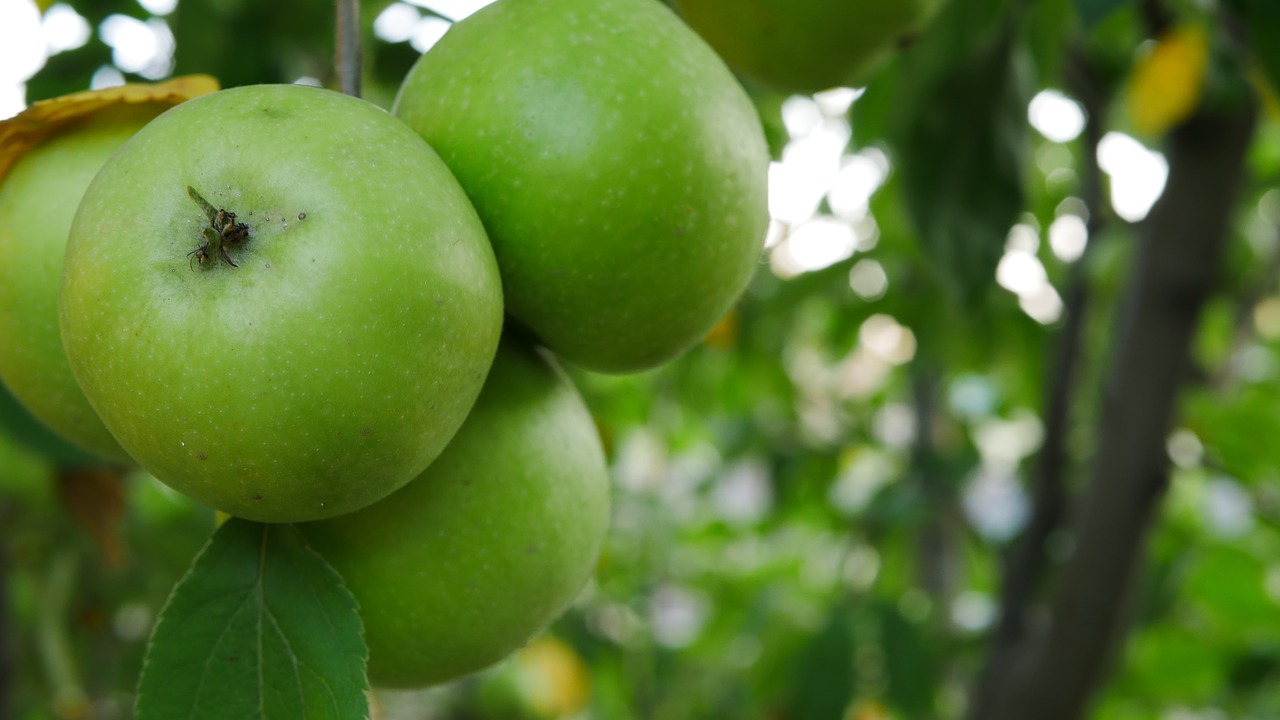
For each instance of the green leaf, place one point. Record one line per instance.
(1229, 586)
(261, 627)
(1047, 38)
(909, 665)
(1093, 11)
(1174, 662)
(823, 680)
(1262, 18)
(961, 152)
(769, 105)
(1229, 427)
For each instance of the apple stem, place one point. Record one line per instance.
(348, 54)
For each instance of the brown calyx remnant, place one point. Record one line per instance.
(221, 233)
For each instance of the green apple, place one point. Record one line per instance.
(617, 164)
(803, 46)
(474, 557)
(38, 198)
(279, 301)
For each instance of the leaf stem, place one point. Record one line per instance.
(52, 641)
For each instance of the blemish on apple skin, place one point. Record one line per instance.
(365, 432)
(201, 456)
(302, 216)
(256, 497)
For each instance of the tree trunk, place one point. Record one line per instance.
(1182, 242)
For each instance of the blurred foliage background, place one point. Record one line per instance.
(818, 509)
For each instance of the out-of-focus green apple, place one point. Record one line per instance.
(617, 164)
(279, 301)
(50, 153)
(803, 46)
(474, 557)
(17, 423)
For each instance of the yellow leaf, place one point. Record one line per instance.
(553, 679)
(1167, 81)
(1267, 92)
(95, 498)
(868, 710)
(725, 333)
(48, 118)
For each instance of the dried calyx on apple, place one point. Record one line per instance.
(222, 233)
(340, 369)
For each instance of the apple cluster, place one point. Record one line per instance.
(289, 304)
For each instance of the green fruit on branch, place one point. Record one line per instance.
(50, 153)
(469, 561)
(617, 164)
(279, 301)
(803, 46)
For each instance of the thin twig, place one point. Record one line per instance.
(1156, 16)
(348, 55)
(936, 548)
(53, 640)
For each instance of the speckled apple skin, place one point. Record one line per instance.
(38, 200)
(616, 163)
(336, 361)
(804, 46)
(473, 558)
